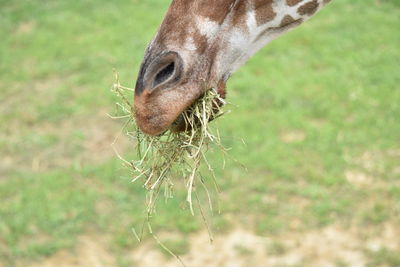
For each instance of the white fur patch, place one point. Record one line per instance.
(207, 27)
(243, 43)
(189, 44)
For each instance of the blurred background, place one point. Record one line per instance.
(318, 109)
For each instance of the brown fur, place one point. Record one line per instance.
(215, 14)
(174, 21)
(201, 42)
(264, 11)
(293, 2)
(240, 8)
(287, 20)
(308, 8)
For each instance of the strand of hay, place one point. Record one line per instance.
(172, 155)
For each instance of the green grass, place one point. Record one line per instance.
(313, 107)
(384, 257)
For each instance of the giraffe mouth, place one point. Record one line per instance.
(181, 123)
(174, 118)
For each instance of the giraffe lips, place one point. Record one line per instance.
(154, 118)
(181, 124)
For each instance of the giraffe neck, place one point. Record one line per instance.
(258, 28)
(230, 30)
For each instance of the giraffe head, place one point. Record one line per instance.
(199, 45)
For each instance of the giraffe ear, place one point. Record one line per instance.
(164, 71)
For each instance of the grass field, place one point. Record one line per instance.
(319, 110)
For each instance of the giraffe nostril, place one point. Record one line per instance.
(164, 74)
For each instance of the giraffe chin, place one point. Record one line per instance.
(155, 123)
(158, 125)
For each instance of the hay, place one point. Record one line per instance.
(173, 155)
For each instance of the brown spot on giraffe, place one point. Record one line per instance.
(239, 9)
(308, 8)
(293, 2)
(215, 14)
(201, 42)
(287, 20)
(264, 11)
(286, 23)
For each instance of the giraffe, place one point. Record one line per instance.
(199, 44)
